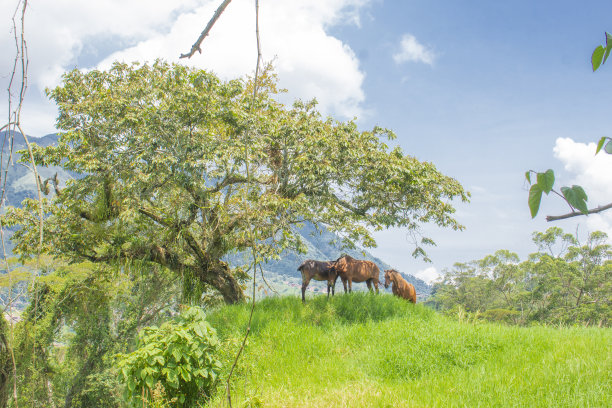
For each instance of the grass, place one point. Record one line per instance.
(361, 350)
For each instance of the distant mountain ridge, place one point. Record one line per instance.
(20, 183)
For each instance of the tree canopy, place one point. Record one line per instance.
(161, 152)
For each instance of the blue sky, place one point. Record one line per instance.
(507, 80)
(483, 89)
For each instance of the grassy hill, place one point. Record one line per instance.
(361, 350)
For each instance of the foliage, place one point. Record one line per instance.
(6, 364)
(574, 196)
(601, 53)
(161, 151)
(79, 316)
(412, 357)
(564, 282)
(180, 355)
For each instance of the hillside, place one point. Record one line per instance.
(282, 273)
(361, 350)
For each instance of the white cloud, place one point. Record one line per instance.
(428, 274)
(310, 62)
(410, 50)
(593, 173)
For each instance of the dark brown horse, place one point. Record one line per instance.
(352, 270)
(400, 286)
(317, 270)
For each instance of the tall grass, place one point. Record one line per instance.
(361, 350)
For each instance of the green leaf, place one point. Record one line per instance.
(600, 144)
(576, 197)
(528, 176)
(535, 197)
(173, 380)
(608, 47)
(597, 57)
(608, 148)
(546, 180)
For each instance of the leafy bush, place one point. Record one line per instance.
(180, 355)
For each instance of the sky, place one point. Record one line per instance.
(485, 90)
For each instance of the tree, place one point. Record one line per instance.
(80, 316)
(572, 284)
(575, 196)
(564, 282)
(162, 153)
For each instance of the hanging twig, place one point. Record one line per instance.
(252, 236)
(196, 47)
(265, 281)
(14, 123)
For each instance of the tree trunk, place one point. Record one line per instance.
(220, 277)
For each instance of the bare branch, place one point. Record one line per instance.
(550, 218)
(196, 47)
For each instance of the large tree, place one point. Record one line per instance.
(163, 151)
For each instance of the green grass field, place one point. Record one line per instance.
(361, 350)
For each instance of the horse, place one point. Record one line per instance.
(317, 270)
(400, 287)
(350, 269)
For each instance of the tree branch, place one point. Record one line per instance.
(350, 207)
(550, 218)
(196, 47)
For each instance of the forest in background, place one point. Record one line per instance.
(566, 282)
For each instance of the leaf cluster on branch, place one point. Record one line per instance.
(574, 196)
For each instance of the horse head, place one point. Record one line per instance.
(339, 265)
(388, 277)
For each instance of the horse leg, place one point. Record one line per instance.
(344, 284)
(350, 285)
(305, 282)
(369, 283)
(376, 285)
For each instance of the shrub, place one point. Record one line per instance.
(180, 355)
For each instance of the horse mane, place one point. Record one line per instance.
(347, 256)
(392, 275)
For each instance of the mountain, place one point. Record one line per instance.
(20, 182)
(321, 245)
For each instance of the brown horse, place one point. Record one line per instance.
(350, 269)
(400, 287)
(317, 270)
